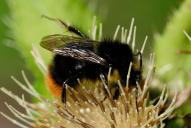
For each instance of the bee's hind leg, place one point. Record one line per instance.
(64, 91)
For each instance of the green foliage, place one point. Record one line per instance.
(173, 40)
(175, 123)
(5, 12)
(29, 27)
(167, 46)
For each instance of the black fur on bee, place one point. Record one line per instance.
(79, 57)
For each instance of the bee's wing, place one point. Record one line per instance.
(75, 47)
(56, 41)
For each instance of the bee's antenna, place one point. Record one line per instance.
(62, 23)
(68, 27)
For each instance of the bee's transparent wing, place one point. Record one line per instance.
(75, 47)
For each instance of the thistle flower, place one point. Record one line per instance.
(91, 109)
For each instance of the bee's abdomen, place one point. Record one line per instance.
(68, 70)
(54, 88)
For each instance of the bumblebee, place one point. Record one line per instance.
(77, 57)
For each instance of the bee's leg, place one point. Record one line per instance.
(68, 27)
(64, 91)
(72, 82)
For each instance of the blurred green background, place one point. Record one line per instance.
(21, 26)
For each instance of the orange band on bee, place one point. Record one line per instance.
(55, 89)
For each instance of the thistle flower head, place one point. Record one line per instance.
(93, 109)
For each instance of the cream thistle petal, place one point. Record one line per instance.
(87, 109)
